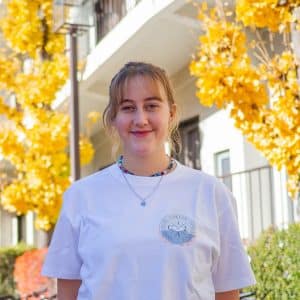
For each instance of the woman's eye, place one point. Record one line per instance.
(152, 106)
(127, 108)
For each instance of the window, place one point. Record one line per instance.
(222, 167)
(21, 228)
(190, 139)
(108, 14)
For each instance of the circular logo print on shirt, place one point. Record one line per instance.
(177, 229)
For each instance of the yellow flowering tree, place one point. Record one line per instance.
(263, 97)
(33, 136)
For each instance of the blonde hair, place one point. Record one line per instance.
(130, 70)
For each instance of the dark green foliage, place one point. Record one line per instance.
(275, 259)
(7, 259)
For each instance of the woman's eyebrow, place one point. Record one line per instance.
(153, 98)
(146, 99)
(126, 100)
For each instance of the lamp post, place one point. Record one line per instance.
(73, 17)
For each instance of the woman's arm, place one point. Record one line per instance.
(67, 289)
(231, 295)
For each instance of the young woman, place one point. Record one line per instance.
(147, 227)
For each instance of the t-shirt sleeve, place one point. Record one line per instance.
(62, 260)
(232, 269)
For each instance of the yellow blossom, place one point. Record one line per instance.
(86, 151)
(94, 116)
(264, 13)
(264, 99)
(34, 137)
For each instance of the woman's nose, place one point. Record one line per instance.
(140, 117)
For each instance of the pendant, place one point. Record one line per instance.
(143, 203)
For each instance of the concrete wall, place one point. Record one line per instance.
(9, 230)
(6, 229)
(103, 157)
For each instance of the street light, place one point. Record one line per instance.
(73, 17)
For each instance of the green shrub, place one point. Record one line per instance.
(275, 259)
(8, 256)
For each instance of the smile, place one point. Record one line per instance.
(141, 133)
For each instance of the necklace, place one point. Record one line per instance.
(160, 174)
(124, 170)
(142, 198)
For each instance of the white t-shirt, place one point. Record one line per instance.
(183, 245)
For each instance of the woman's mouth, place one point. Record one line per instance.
(141, 133)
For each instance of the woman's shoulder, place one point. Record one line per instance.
(211, 185)
(76, 195)
(197, 175)
(98, 178)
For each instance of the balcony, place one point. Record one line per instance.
(109, 13)
(262, 200)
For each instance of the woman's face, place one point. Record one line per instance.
(143, 117)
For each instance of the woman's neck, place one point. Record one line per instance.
(145, 166)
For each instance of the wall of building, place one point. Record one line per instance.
(9, 233)
(103, 155)
(6, 234)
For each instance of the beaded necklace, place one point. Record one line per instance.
(161, 173)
